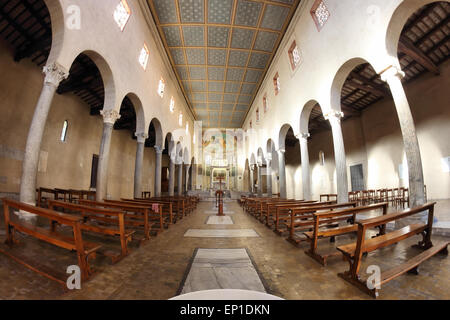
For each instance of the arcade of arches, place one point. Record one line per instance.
(122, 119)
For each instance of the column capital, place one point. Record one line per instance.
(304, 135)
(334, 115)
(282, 150)
(110, 116)
(158, 149)
(390, 72)
(54, 74)
(141, 137)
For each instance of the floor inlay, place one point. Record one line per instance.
(219, 220)
(217, 233)
(222, 269)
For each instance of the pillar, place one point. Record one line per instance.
(141, 137)
(158, 170)
(180, 179)
(54, 74)
(171, 177)
(269, 178)
(252, 178)
(339, 155)
(282, 173)
(187, 178)
(393, 77)
(109, 118)
(260, 193)
(306, 173)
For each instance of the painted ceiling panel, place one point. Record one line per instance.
(221, 50)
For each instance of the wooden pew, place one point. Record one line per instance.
(43, 196)
(109, 222)
(281, 220)
(85, 250)
(301, 218)
(264, 206)
(167, 208)
(353, 252)
(324, 218)
(328, 197)
(135, 215)
(275, 210)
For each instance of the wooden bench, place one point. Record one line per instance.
(43, 194)
(263, 211)
(328, 197)
(301, 218)
(353, 252)
(135, 215)
(85, 250)
(284, 213)
(167, 208)
(107, 222)
(325, 218)
(276, 213)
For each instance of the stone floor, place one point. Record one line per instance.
(158, 269)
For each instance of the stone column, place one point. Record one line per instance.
(141, 137)
(54, 74)
(187, 178)
(109, 118)
(306, 173)
(393, 77)
(260, 193)
(339, 155)
(269, 178)
(180, 179)
(171, 177)
(158, 169)
(252, 178)
(282, 173)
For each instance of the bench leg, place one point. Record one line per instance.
(414, 271)
(425, 243)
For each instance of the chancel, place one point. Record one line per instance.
(224, 149)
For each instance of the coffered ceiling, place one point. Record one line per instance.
(221, 50)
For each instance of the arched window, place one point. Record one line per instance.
(321, 158)
(64, 131)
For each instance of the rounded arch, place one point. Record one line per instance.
(169, 144)
(178, 153)
(397, 22)
(139, 110)
(252, 159)
(270, 146)
(305, 115)
(186, 156)
(158, 132)
(111, 102)
(282, 136)
(338, 83)
(58, 28)
(261, 156)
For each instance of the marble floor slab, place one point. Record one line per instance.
(221, 233)
(215, 212)
(222, 269)
(219, 220)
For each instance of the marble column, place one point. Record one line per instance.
(180, 179)
(252, 179)
(171, 177)
(158, 170)
(109, 118)
(339, 155)
(260, 191)
(186, 182)
(306, 173)
(141, 137)
(54, 74)
(269, 178)
(393, 77)
(282, 173)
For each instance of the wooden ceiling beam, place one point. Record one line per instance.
(366, 88)
(407, 47)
